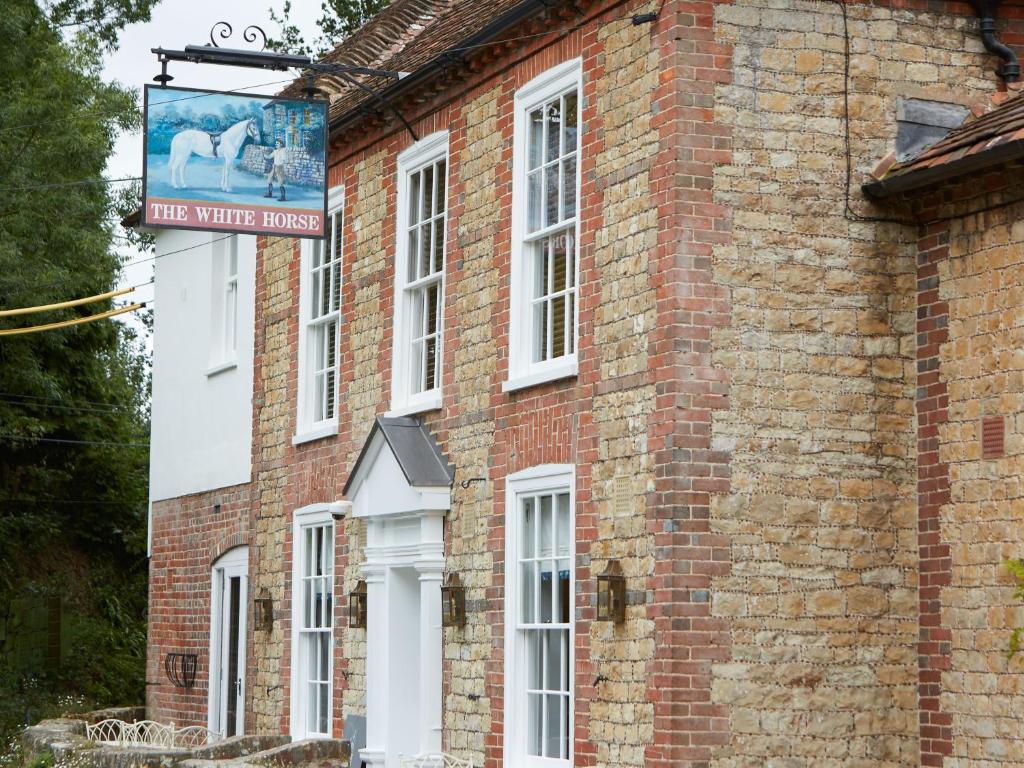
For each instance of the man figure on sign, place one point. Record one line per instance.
(279, 157)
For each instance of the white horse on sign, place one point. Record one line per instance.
(226, 145)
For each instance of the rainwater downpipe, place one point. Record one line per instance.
(987, 9)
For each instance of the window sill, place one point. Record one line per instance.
(429, 403)
(228, 365)
(316, 433)
(566, 370)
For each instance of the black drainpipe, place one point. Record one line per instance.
(1010, 71)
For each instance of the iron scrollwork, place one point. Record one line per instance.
(250, 34)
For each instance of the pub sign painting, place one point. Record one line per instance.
(239, 163)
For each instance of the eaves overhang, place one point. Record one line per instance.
(1000, 154)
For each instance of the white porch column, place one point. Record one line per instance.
(374, 754)
(430, 566)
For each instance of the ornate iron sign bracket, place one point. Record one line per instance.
(213, 53)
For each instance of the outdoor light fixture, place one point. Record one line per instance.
(357, 606)
(453, 602)
(263, 608)
(611, 594)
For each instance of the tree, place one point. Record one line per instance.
(101, 20)
(73, 402)
(339, 19)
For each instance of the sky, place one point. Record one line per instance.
(175, 24)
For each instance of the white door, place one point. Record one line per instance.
(229, 601)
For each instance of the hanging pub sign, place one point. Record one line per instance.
(241, 163)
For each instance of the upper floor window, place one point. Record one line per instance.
(545, 228)
(320, 320)
(419, 275)
(224, 303)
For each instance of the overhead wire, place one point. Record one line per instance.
(68, 441)
(65, 304)
(62, 401)
(70, 323)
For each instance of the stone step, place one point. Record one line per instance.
(307, 753)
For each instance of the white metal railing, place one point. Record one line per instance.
(436, 760)
(149, 733)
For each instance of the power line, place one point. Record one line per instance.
(62, 401)
(139, 107)
(62, 441)
(72, 501)
(62, 184)
(58, 407)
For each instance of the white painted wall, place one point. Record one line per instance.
(201, 419)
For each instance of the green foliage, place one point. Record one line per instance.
(1016, 569)
(72, 514)
(339, 19)
(100, 20)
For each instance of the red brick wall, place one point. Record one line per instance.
(639, 409)
(188, 536)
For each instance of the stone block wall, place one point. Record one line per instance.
(188, 534)
(823, 512)
(982, 363)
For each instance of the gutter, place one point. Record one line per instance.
(913, 180)
(420, 76)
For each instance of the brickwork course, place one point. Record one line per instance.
(776, 423)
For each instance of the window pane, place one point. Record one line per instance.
(313, 708)
(555, 647)
(414, 236)
(424, 267)
(324, 689)
(569, 124)
(533, 201)
(534, 723)
(536, 138)
(324, 639)
(554, 742)
(562, 536)
(433, 306)
(542, 269)
(528, 592)
(529, 527)
(570, 263)
(547, 526)
(540, 331)
(569, 188)
(554, 120)
(558, 326)
(441, 183)
(335, 233)
(414, 199)
(547, 589)
(335, 285)
(551, 195)
(558, 271)
(438, 227)
(534, 660)
(430, 364)
(428, 193)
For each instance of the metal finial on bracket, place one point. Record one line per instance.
(223, 30)
(163, 78)
(470, 480)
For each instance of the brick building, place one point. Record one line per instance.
(623, 299)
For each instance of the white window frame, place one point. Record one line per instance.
(522, 371)
(307, 427)
(540, 479)
(306, 517)
(223, 304)
(404, 401)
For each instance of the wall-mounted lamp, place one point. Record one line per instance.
(453, 602)
(357, 601)
(611, 594)
(340, 509)
(263, 608)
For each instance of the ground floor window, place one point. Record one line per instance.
(313, 623)
(540, 611)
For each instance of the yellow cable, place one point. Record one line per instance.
(65, 304)
(67, 323)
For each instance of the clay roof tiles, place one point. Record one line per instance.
(996, 136)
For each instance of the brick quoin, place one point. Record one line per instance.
(934, 641)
